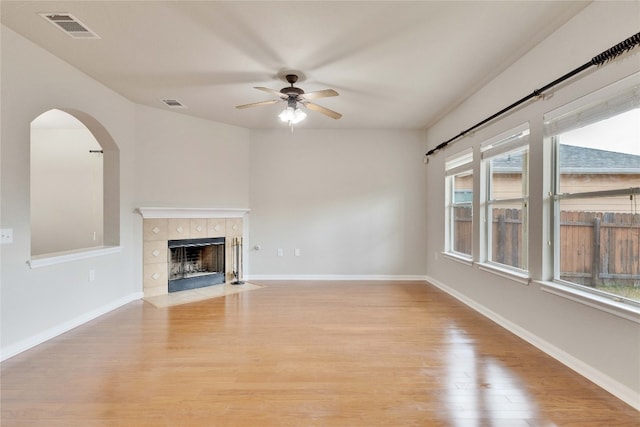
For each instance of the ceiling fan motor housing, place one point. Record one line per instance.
(291, 90)
(291, 78)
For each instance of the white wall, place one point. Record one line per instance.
(600, 345)
(352, 201)
(182, 161)
(66, 190)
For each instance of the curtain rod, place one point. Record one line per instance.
(606, 56)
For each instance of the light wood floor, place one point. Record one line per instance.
(301, 354)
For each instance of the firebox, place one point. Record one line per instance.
(196, 263)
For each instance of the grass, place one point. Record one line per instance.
(627, 291)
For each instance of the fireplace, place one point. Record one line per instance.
(196, 263)
(161, 225)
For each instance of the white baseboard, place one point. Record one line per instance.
(329, 277)
(614, 387)
(50, 333)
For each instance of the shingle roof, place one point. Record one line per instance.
(579, 160)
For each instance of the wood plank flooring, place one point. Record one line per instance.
(300, 354)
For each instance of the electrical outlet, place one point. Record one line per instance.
(6, 235)
(296, 252)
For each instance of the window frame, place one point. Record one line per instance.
(512, 141)
(587, 110)
(457, 165)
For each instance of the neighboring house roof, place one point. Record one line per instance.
(579, 160)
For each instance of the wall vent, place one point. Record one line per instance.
(70, 25)
(174, 103)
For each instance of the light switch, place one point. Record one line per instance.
(280, 252)
(6, 235)
(296, 252)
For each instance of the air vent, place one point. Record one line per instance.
(174, 103)
(70, 25)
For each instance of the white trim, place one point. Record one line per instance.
(154, 212)
(458, 258)
(629, 191)
(521, 278)
(596, 97)
(621, 391)
(334, 277)
(462, 170)
(459, 161)
(521, 132)
(15, 349)
(593, 300)
(62, 257)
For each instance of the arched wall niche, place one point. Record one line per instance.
(111, 176)
(66, 171)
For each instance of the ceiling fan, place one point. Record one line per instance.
(294, 96)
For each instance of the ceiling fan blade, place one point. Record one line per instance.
(257, 104)
(319, 94)
(272, 92)
(323, 110)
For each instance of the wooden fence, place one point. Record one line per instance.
(600, 248)
(596, 248)
(463, 230)
(507, 237)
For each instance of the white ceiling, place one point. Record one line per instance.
(395, 64)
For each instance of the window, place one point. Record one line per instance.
(505, 162)
(459, 204)
(596, 190)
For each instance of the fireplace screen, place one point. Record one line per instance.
(195, 263)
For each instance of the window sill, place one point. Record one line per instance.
(609, 305)
(458, 258)
(68, 256)
(521, 278)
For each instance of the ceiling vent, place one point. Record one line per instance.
(174, 103)
(70, 25)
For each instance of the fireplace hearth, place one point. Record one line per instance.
(196, 263)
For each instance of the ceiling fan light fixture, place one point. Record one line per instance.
(292, 115)
(295, 98)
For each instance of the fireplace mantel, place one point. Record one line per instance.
(154, 212)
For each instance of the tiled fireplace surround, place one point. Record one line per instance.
(163, 224)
